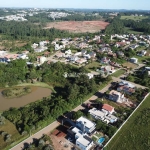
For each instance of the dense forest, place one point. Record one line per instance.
(28, 31)
(117, 26)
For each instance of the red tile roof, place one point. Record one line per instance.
(107, 107)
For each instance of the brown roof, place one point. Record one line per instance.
(107, 107)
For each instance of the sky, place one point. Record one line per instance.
(93, 4)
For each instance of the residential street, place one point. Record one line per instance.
(55, 123)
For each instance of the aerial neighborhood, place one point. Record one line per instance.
(62, 90)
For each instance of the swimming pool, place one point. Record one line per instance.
(101, 140)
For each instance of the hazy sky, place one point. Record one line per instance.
(100, 4)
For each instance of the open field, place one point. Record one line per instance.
(93, 65)
(78, 26)
(6, 44)
(130, 65)
(36, 94)
(135, 18)
(135, 133)
(10, 129)
(118, 73)
(131, 31)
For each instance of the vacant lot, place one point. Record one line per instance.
(10, 129)
(130, 65)
(118, 73)
(135, 18)
(78, 26)
(135, 134)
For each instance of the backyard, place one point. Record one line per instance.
(129, 65)
(118, 73)
(135, 133)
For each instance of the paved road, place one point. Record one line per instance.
(55, 123)
(36, 136)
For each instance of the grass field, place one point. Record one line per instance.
(131, 31)
(40, 84)
(135, 134)
(141, 59)
(118, 73)
(10, 129)
(135, 18)
(93, 65)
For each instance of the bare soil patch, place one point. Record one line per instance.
(130, 65)
(78, 26)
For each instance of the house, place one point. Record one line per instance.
(87, 56)
(110, 119)
(34, 45)
(120, 44)
(90, 75)
(134, 46)
(43, 43)
(142, 53)
(81, 60)
(97, 114)
(89, 126)
(133, 60)
(46, 54)
(60, 54)
(126, 87)
(78, 54)
(103, 115)
(73, 58)
(117, 96)
(107, 70)
(84, 52)
(104, 49)
(22, 56)
(84, 143)
(120, 53)
(41, 59)
(105, 60)
(108, 108)
(68, 52)
(58, 47)
(92, 54)
(40, 49)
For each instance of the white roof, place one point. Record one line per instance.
(126, 83)
(88, 123)
(83, 141)
(96, 112)
(77, 131)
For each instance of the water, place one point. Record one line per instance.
(36, 94)
(101, 140)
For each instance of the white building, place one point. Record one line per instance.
(133, 60)
(86, 125)
(117, 96)
(84, 143)
(41, 59)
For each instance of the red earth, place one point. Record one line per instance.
(78, 26)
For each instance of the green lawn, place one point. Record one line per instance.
(40, 84)
(140, 59)
(93, 65)
(135, 18)
(131, 31)
(10, 129)
(118, 73)
(135, 134)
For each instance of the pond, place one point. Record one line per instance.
(36, 94)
